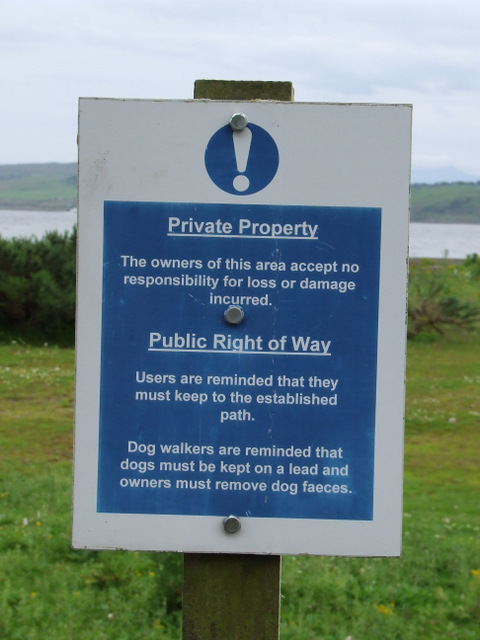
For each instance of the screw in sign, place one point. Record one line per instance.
(241, 158)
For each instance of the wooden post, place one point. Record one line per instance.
(234, 597)
(243, 90)
(231, 597)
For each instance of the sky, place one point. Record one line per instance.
(420, 52)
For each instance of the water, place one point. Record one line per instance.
(436, 240)
(24, 224)
(427, 240)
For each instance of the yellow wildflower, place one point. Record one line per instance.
(382, 608)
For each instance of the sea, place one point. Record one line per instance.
(427, 240)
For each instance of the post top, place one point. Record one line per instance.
(243, 90)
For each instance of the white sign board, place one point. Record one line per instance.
(241, 326)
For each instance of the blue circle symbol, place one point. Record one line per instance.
(241, 163)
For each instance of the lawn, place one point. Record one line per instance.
(431, 593)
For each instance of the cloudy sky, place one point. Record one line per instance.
(423, 52)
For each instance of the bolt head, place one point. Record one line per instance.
(238, 121)
(232, 524)
(234, 314)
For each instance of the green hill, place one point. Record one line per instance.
(446, 202)
(53, 186)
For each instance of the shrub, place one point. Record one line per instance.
(472, 263)
(438, 297)
(37, 286)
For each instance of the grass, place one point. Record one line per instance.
(431, 593)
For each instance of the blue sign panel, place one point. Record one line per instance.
(271, 417)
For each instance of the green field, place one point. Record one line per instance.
(47, 590)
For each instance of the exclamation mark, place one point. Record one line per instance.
(241, 143)
(242, 139)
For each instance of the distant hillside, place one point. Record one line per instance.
(446, 202)
(53, 186)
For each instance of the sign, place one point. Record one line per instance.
(243, 162)
(241, 327)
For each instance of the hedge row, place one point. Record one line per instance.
(37, 291)
(37, 287)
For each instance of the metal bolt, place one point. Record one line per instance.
(232, 524)
(234, 314)
(238, 121)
